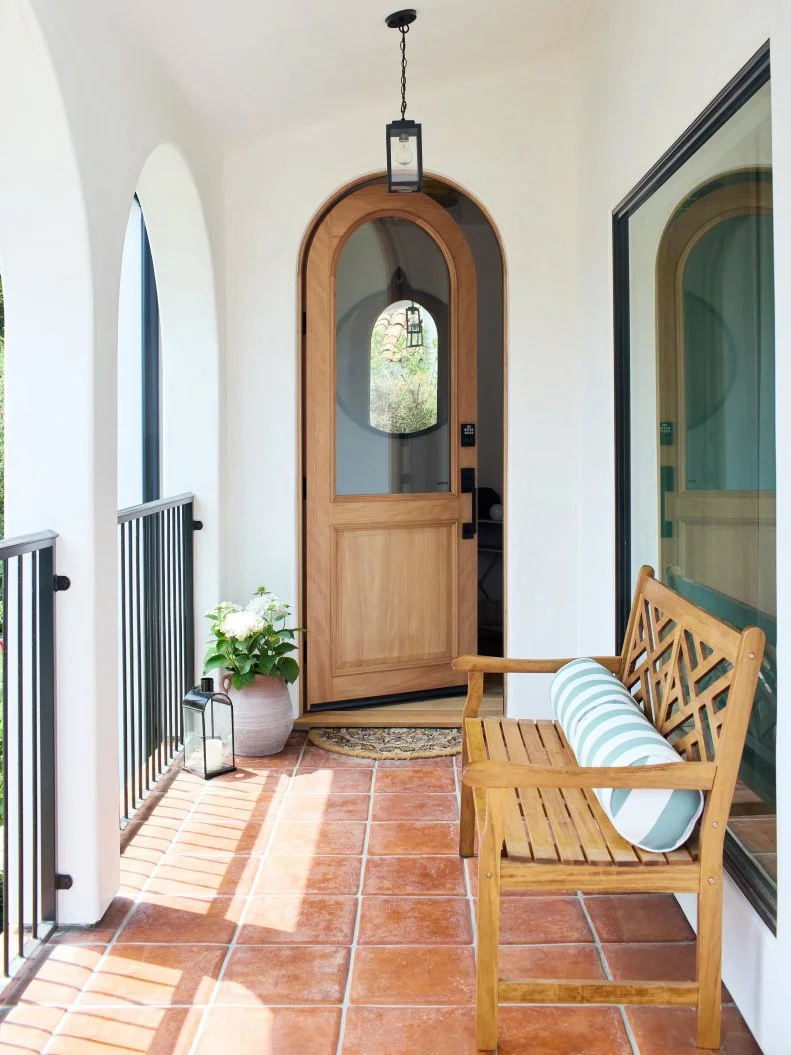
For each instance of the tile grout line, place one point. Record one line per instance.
(211, 1002)
(608, 973)
(73, 1007)
(353, 950)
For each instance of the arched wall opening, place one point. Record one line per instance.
(191, 386)
(486, 245)
(54, 464)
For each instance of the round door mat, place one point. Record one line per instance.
(388, 743)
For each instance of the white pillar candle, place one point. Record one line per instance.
(214, 755)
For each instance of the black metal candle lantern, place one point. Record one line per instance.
(404, 138)
(208, 731)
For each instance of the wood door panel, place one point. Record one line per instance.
(391, 583)
(395, 597)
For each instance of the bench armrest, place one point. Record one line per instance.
(497, 665)
(689, 776)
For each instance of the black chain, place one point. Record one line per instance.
(404, 31)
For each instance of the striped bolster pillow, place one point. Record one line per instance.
(604, 726)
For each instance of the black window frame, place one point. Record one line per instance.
(752, 76)
(150, 369)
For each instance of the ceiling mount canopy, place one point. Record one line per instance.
(404, 138)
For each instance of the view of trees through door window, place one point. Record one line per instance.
(404, 360)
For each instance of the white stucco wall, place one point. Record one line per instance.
(646, 70)
(507, 140)
(90, 105)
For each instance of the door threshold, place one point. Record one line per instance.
(423, 713)
(388, 701)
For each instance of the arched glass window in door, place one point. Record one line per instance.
(392, 361)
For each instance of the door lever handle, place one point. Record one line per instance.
(469, 529)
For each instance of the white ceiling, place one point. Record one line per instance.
(257, 66)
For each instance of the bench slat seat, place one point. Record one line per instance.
(553, 824)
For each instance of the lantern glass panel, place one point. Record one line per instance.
(193, 740)
(404, 156)
(219, 735)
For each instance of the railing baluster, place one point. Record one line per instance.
(20, 760)
(124, 692)
(156, 619)
(34, 560)
(6, 787)
(139, 648)
(27, 750)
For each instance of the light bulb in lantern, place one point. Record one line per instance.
(403, 152)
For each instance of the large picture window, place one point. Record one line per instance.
(695, 370)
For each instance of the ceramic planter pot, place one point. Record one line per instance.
(262, 715)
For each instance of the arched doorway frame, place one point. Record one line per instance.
(329, 203)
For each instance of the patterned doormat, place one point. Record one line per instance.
(388, 743)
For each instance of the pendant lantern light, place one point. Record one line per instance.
(404, 138)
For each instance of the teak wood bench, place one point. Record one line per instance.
(540, 826)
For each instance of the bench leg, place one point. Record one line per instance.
(488, 968)
(709, 963)
(467, 817)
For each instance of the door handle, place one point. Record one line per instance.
(469, 529)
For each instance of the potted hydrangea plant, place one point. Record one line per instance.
(253, 648)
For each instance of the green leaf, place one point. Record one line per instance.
(213, 663)
(288, 668)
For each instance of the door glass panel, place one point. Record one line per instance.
(392, 362)
(702, 426)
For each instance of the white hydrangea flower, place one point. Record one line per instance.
(241, 625)
(268, 607)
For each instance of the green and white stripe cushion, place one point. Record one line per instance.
(605, 727)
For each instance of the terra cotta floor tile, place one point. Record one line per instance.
(26, 1030)
(551, 961)
(326, 807)
(319, 837)
(421, 921)
(638, 917)
(405, 838)
(414, 875)
(310, 875)
(201, 837)
(415, 808)
(61, 975)
(316, 758)
(671, 1031)
(413, 974)
(103, 931)
(122, 1031)
(203, 875)
(271, 1031)
(414, 781)
(183, 920)
(155, 974)
(541, 921)
(659, 962)
(562, 1031)
(285, 975)
(339, 781)
(299, 920)
(436, 1030)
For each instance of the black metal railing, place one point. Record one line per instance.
(27, 781)
(157, 644)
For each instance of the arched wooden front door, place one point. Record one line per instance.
(390, 413)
